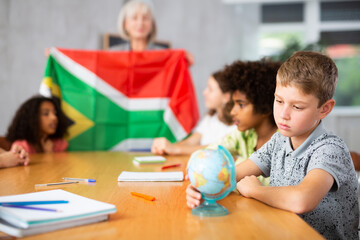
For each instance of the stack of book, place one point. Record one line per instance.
(34, 213)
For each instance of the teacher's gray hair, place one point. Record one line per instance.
(129, 9)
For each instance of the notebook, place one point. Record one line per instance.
(80, 210)
(149, 159)
(151, 176)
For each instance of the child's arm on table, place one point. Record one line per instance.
(187, 146)
(299, 199)
(16, 156)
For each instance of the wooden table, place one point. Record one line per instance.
(166, 218)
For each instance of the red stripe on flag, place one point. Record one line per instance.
(145, 75)
(135, 74)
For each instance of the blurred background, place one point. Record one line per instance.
(216, 32)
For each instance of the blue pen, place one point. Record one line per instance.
(79, 179)
(30, 208)
(34, 202)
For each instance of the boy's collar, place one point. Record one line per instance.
(318, 131)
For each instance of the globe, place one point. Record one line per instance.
(212, 173)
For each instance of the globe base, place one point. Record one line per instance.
(207, 209)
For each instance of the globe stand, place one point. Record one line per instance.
(209, 208)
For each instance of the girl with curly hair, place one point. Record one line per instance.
(38, 126)
(215, 124)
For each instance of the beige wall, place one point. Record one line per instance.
(215, 33)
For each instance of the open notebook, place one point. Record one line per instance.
(79, 211)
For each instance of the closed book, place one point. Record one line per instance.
(149, 159)
(79, 210)
(151, 176)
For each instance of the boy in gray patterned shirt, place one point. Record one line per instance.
(311, 172)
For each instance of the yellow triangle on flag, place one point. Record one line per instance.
(81, 123)
(54, 88)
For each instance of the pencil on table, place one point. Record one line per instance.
(147, 197)
(54, 184)
(30, 208)
(171, 166)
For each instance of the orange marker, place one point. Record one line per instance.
(146, 197)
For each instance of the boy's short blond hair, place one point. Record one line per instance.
(128, 9)
(311, 72)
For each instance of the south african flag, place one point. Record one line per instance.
(122, 100)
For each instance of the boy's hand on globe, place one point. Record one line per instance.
(186, 177)
(193, 196)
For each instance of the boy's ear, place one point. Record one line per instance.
(326, 108)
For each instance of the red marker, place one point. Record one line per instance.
(171, 166)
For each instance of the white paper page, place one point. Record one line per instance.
(151, 176)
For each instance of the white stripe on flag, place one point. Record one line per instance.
(174, 125)
(44, 90)
(91, 79)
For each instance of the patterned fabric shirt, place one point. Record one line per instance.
(241, 145)
(336, 216)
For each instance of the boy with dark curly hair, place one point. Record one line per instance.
(252, 86)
